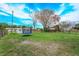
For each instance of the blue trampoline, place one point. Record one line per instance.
(27, 31)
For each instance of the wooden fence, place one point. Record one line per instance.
(2, 33)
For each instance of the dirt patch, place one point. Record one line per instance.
(49, 45)
(48, 48)
(27, 42)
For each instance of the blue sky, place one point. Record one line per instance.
(67, 11)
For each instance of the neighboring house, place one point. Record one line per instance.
(20, 30)
(16, 30)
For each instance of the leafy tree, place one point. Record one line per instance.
(3, 25)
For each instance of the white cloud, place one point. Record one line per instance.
(62, 8)
(76, 5)
(38, 9)
(31, 10)
(27, 22)
(4, 14)
(18, 10)
(13, 23)
(72, 16)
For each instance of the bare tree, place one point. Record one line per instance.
(65, 26)
(44, 18)
(34, 17)
(76, 26)
(47, 17)
(54, 22)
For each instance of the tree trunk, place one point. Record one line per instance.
(57, 27)
(46, 29)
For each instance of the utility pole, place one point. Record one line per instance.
(12, 17)
(12, 21)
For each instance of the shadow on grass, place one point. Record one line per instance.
(26, 35)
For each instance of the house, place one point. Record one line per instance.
(20, 30)
(15, 30)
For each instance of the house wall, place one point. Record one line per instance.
(16, 30)
(20, 30)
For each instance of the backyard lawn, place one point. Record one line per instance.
(40, 44)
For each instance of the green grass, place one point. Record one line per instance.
(61, 44)
(54, 36)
